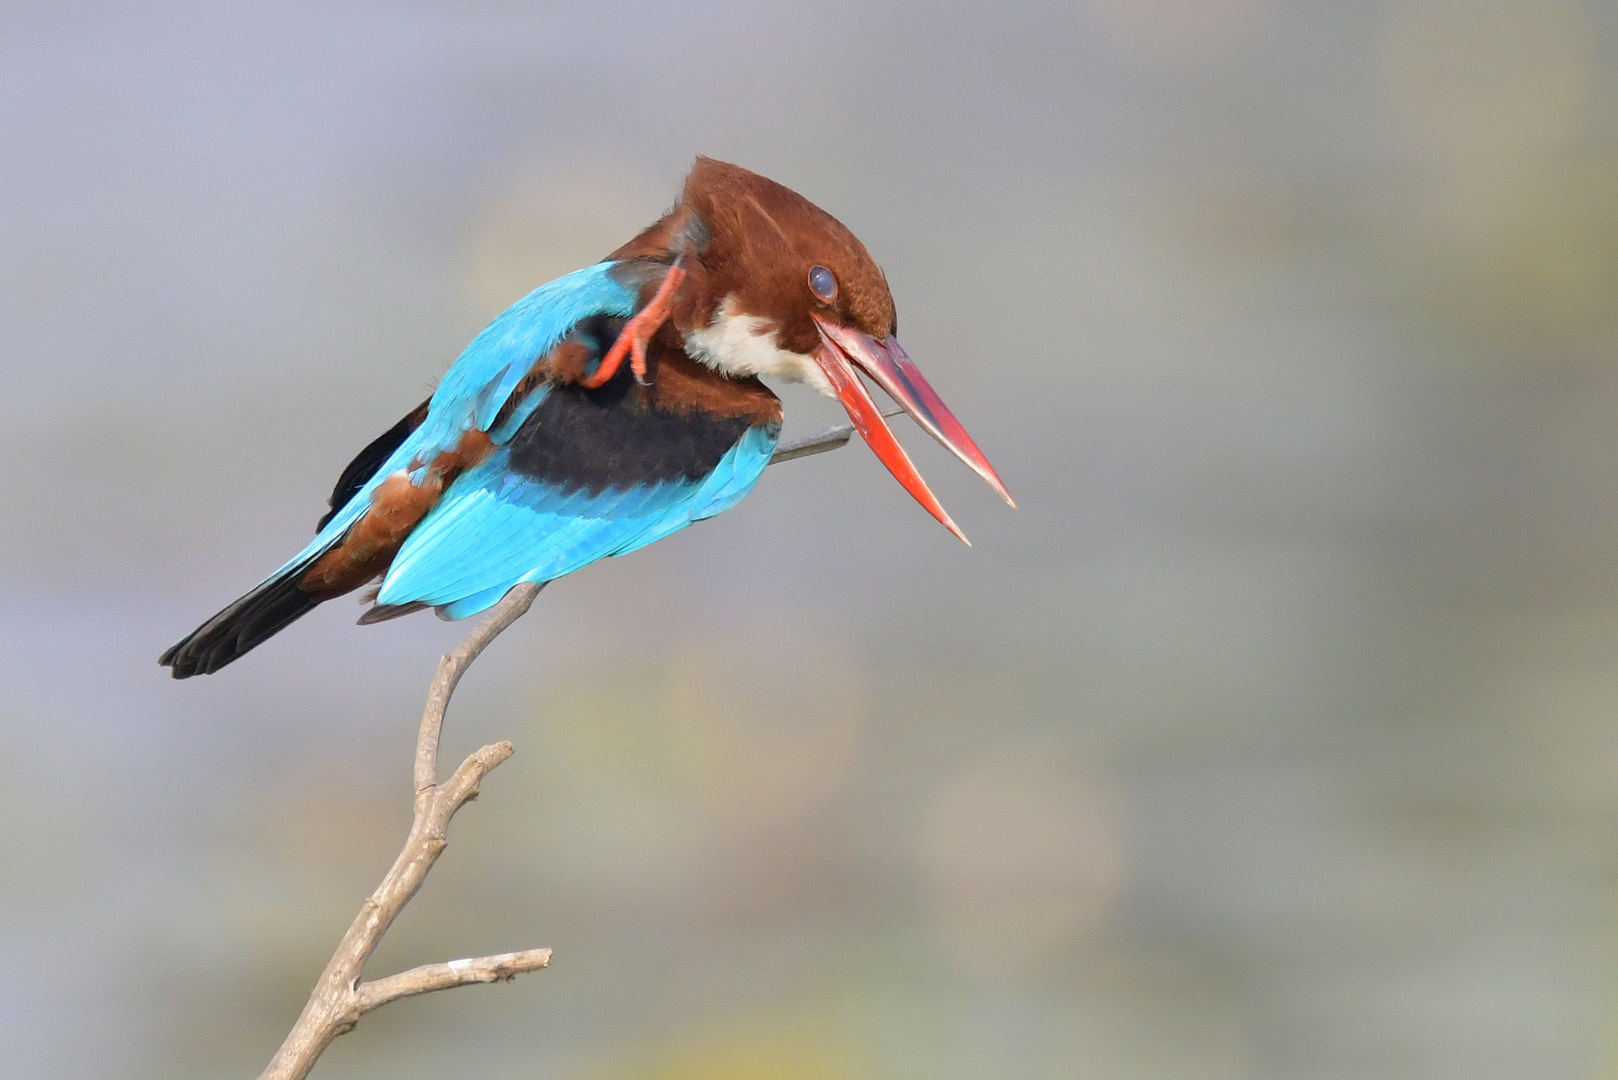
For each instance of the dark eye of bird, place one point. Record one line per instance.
(822, 284)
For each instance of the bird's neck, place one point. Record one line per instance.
(680, 383)
(739, 345)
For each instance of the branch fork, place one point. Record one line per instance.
(341, 997)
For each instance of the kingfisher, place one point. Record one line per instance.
(606, 410)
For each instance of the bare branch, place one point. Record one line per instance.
(450, 668)
(431, 977)
(462, 786)
(830, 439)
(340, 998)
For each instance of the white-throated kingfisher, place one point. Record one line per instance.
(606, 410)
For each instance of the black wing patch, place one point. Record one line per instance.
(608, 438)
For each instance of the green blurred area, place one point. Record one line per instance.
(1275, 735)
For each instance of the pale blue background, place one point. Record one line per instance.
(1276, 736)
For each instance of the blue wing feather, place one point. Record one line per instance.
(522, 412)
(494, 528)
(483, 377)
(490, 368)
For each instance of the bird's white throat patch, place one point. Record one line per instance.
(741, 345)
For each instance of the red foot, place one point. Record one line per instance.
(638, 331)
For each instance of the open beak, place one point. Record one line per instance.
(842, 350)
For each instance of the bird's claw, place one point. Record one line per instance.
(637, 332)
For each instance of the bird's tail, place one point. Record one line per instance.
(279, 600)
(270, 607)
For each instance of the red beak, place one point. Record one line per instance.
(841, 350)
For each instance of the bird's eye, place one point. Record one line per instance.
(822, 283)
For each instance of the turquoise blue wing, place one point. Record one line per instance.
(483, 377)
(495, 527)
(489, 369)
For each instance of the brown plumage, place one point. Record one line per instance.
(397, 505)
(756, 242)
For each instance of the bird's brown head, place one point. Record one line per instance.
(776, 286)
(773, 254)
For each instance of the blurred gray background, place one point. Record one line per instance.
(1275, 736)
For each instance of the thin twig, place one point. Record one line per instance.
(452, 667)
(830, 439)
(429, 977)
(340, 998)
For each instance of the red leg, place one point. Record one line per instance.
(638, 331)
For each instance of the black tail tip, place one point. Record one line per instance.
(236, 630)
(177, 668)
(184, 666)
(384, 612)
